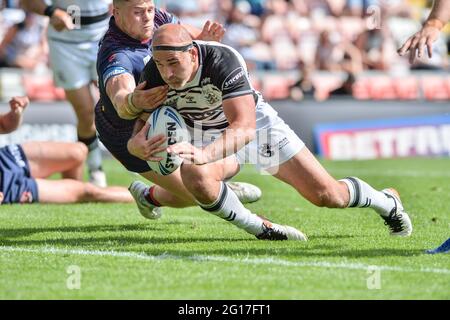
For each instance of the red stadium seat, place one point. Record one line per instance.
(448, 85)
(382, 88)
(42, 88)
(256, 83)
(361, 89)
(275, 87)
(407, 88)
(434, 88)
(324, 84)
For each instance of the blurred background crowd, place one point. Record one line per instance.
(298, 49)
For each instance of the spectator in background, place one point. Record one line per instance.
(304, 87)
(187, 10)
(359, 8)
(376, 47)
(346, 89)
(24, 45)
(335, 55)
(257, 7)
(276, 32)
(243, 35)
(438, 18)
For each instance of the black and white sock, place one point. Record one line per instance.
(94, 159)
(228, 207)
(363, 195)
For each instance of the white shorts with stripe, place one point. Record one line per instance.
(73, 64)
(275, 141)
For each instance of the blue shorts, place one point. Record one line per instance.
(16, 183)
(115, 139)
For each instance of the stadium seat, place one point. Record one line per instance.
(325, 83)
(434, 87)
(382, 88)
(447, 81)
(275, 87)
(407, 88)
(42, 88)
(361, 89)
(256, 83)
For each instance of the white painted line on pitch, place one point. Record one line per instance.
(201, 258)
(390, 173)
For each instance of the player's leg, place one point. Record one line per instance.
(82, 101)
(279, 151)
(170, 191)
(167, 191)
(73, 191)
(312, 181)
(72, 64)
(206, 184)
(47, 158)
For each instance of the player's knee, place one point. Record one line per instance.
(195, 178)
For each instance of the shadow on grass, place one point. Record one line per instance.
(23, 232)
(153, 235)
(110, 243)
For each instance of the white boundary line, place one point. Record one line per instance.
(204, 258)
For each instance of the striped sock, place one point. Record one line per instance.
(149, 195)
(228, 207)
(94, 158)
(363, 195)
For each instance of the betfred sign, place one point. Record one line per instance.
(410, 137)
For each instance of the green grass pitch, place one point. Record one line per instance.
(97, 251)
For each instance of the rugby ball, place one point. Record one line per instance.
(167, 121)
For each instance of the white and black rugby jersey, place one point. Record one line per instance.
(222, 75)
(93, 17)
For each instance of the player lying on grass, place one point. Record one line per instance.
(210, 88)
(123, 53)
(438, 18)
(23, 169)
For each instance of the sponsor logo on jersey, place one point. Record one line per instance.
(233, 78)
(114, 71)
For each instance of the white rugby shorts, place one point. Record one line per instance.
(275, 141)
(73, 64)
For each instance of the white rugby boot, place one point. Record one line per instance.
(273, 231)
(245, 192)
(148, 210)
(398, 221)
